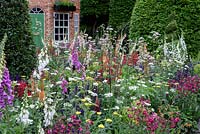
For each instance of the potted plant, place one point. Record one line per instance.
(64, 5)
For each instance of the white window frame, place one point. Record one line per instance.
(76, 19)
(60, 41)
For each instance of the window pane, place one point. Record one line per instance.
(66, 16)
(56, 37)
(66, 31)
(61, 16)
(61, 37)
(61, 31)
(76, 17)
(56, 16)
(76, 29)
(65, 23)
(61, 23)
(66, 36)
(76, 23)
(56, 30)
(56, 23)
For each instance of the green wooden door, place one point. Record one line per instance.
(37, 22)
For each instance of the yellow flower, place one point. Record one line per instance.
(78, 112)
(101, 126)
(83, 100)
(89, 78)
(115, 113)
(136, 122)
(188, 124)
(87, 104)
(87, 120)
(99, 113)
(108, 120)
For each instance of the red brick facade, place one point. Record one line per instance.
(47, 7)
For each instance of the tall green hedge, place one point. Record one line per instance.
(120, 13)
(19, 49)
(93, 14)
(168, 17)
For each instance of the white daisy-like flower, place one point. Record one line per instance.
(108, 95)
(92, 93)
(133, 98)
(95, 84)
(105, 81)
(132, 87)
(116, 108)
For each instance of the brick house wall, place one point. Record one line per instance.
(47, 7)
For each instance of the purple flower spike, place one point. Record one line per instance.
(75, 62)
(6, 92)
(64, 86)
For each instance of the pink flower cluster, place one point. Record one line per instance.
(62, 127)
(72, 126)
(189, 83)
(143, 115)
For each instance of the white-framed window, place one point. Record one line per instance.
(61, 27)
(76, 22)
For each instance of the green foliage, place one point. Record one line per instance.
(93, 14)
(64, 3)
(14, 20)
(197, 69)
(169, 18)
(120, 12)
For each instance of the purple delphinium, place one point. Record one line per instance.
(75, 62)
(6, 92)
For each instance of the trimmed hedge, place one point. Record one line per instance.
(168, 17)
(120, 13)
(19, 49)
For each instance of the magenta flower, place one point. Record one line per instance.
(64, 86)
(75, 61)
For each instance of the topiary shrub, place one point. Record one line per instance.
(170, 18)
(120, 13)
(19, 49)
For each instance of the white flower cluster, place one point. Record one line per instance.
(88, 56)
(43, 61)
(24, 117)
(40, 129)
(176, 51)
(108, 95)
(49, 112)
(92, 93)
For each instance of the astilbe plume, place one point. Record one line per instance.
(6, 92)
